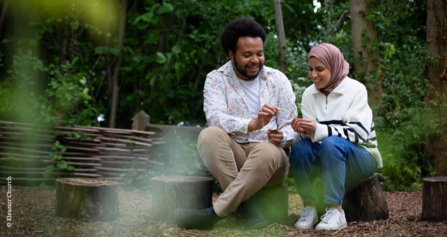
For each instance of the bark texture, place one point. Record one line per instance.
(436, 80)
(434, 199)
(281, 35)
(170, 193)
(366, 202)
(115, 87)
(366, 54)
(87, 199)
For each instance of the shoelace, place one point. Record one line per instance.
(305, 214)
(326, 218)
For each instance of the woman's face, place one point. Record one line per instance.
(319, 73)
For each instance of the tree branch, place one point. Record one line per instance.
(200, 70)
(106, 73)
(87, 77)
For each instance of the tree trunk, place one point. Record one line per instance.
(366, 52)
(2, 17)
(170, 193)
(434, 199)
(281, 35)
(116, 72)
(436, 67)
(364, 200)
(86, 199)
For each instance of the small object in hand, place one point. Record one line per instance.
(274, 130)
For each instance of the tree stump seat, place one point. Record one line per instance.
(364, 200)
(434, 199)
(170, 193)
(192, 192)
(274, 202)
(87, 199)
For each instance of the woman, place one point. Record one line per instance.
(337, 137)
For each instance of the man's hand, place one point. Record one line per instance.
(264, 116)
(275, 138)
(306, 126)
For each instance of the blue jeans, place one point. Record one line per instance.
(335, 161)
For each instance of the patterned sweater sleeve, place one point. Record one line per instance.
(287, 111)
(216, 106)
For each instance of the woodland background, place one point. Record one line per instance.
(71, 61)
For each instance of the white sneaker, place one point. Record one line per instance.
(332, 220)
(308, 218)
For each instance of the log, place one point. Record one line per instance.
(274, 202)
(434, 199)
(170, 193)
(366, 202)
(87, 199)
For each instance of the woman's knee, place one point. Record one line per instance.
(331, 143)
(333, 148)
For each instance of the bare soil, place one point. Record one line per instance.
(33, 214)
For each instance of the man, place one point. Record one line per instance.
(249, 108)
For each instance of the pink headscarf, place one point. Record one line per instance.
(333, 59)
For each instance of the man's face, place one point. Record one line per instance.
(249, 57)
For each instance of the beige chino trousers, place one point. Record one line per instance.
(241, 169)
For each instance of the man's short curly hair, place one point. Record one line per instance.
(240, 27)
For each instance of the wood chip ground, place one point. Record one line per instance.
(33, 211)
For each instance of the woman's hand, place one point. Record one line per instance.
(304, 125)
(276, 137)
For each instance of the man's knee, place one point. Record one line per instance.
(266, 151)
(210, 134)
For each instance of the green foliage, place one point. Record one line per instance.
(134, 177)
(65, 100)
(402, 149)
(57, 66)
(402, 121)
(67, 92)
(57, 157)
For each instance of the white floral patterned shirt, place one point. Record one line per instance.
(226, 107)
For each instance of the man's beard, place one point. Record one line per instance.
(243, 70)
